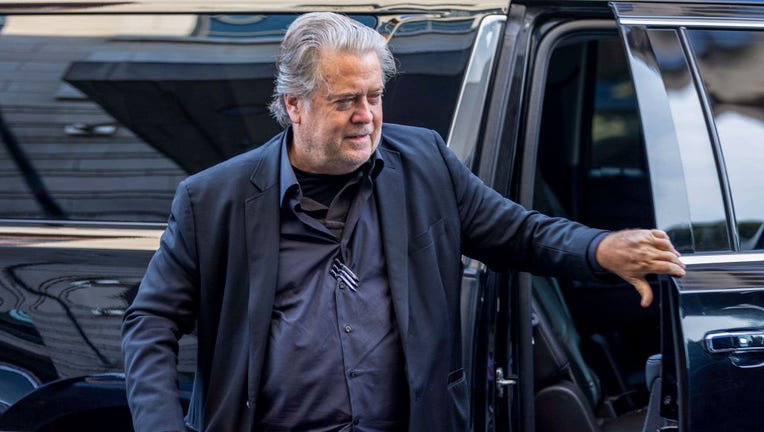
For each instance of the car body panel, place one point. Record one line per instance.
(717, 388)
(721, 297)
(693, 202)
(91, 112)
(70, 266)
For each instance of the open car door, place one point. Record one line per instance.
(697, 76)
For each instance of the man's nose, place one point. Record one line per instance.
(363, 112)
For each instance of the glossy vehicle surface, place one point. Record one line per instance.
(617, 115)
(637, 114)
(104, 108)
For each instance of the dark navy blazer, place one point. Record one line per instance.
(216, 269)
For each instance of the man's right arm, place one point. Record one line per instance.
(163, 310)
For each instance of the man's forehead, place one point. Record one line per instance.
(352, 73)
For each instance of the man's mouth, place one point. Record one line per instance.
(358, 136)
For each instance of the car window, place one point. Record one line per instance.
(618, 185)
(600, 176)
(102, 116)
(687, 187)
(730, 65)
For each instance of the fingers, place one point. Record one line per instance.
(633, 254)
(644, 290)
(664, 263)
(663, 242)
(671, 265)
(651, 250)
(668, 260)
(659, 233)
(667, 267)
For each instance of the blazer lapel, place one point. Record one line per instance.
(262, 244)
(391, 202)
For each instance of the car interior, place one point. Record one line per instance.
(592, 340)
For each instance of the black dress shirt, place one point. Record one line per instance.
(334, 359)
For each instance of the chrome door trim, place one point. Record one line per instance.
(678, 14)
(695, 23)
(722, 258)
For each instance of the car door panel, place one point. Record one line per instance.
(714, 315)
(716, 323)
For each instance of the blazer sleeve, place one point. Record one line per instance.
(163, 310)
(503, 234)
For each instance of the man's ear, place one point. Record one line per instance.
(294, 107)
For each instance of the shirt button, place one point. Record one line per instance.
(348, 329)
(342, 285)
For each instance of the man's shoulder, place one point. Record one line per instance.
(406, 134)
(238, 168)
(410, 140)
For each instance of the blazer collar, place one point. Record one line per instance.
(266, 172)
(261, 232)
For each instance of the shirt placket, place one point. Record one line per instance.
(348, 290)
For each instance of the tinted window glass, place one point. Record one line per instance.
(618, 185)
(599, 177)
(701, 177)
(616, 132)
(102, 116)
(731, 65)
(432, 59)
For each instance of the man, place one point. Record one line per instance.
(322, 270)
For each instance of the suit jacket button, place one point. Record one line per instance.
(249, 403)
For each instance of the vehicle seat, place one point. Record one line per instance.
(567, 390)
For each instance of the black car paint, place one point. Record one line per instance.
(67, 277)
(45, 274)
(710, 299)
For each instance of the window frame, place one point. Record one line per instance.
(680, 18)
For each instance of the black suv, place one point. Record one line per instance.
(615, 114)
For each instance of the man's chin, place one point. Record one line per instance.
(350, 162)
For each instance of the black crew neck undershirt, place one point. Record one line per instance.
(322, 187)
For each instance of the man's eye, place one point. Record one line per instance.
(344, 103)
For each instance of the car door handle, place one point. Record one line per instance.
(735, 341)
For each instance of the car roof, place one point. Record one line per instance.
(301, 6)
(721, 3)
(249, 6)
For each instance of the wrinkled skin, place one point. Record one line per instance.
(633, 254)
(339, 126)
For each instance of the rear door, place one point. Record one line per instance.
(697, 71)
(671, 140)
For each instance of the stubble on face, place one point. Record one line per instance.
(339, 127)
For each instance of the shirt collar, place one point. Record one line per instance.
(288, 179)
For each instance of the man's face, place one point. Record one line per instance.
(338, 128)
